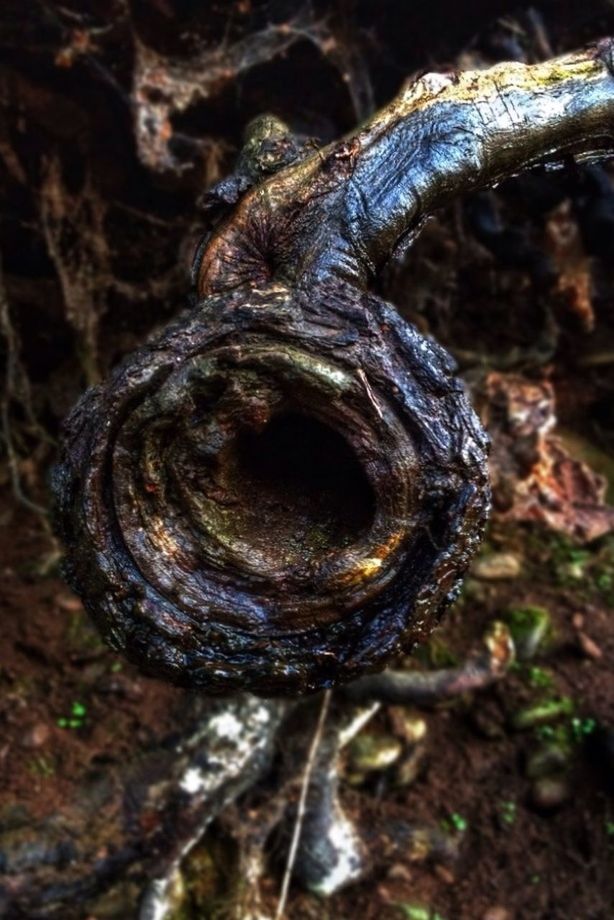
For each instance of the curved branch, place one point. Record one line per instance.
(284, 489)
(140, 820)
(343, 211)
(419, 688)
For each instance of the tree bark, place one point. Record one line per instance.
(285, 488)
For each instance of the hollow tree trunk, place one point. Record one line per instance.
(285, 488)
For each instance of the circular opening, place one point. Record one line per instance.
(298, 490)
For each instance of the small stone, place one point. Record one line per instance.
(37, 736)
(589, 647)
(546, 760)
(496, 913)
(550, 792)
(370, 752)
(399, 872)
(447, 877)
(69, 603)
(496, 567)
(406, 723)
(577, 621)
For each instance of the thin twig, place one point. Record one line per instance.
(482, 668)
(300, 811)
(5, 425)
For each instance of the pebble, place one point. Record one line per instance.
(496, 567)
(589, 647)
(399, 871)
(496, 913)
(37, 736)
(546, 760)
(443, 873)
(370, 752)
(407, 723)
(69, 603)
(550, 792)
(577, 621)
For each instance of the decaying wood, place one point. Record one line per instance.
(533, 475)
(286, 487)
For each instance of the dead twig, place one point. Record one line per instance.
(421, 688)
(302, 803)
(11, 372)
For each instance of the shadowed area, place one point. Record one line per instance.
(299, 488)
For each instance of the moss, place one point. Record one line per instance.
(531, 629)
(42, 766)
(539, 678)
(208, 875)
(436, 653)
(81, 634)
(542, 712)
(417, 911)
(507, 813)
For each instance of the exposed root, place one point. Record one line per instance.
(73, 227)
(142, 820)
(165, 86)
(335, 850)
(16, 388)
(420, 688)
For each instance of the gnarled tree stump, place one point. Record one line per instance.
(285, 488)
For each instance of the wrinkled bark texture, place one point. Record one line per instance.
(196, 536)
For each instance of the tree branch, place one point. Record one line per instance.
(343, 211)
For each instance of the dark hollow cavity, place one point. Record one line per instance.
(300, 490)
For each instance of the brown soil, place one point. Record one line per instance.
(68, 705)
(532, 864)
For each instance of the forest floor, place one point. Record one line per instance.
(521, 773)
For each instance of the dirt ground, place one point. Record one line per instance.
(70, 708)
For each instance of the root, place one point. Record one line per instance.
(418, 688)
(16, 389)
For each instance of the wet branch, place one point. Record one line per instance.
(427, 688)
(352, 204)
